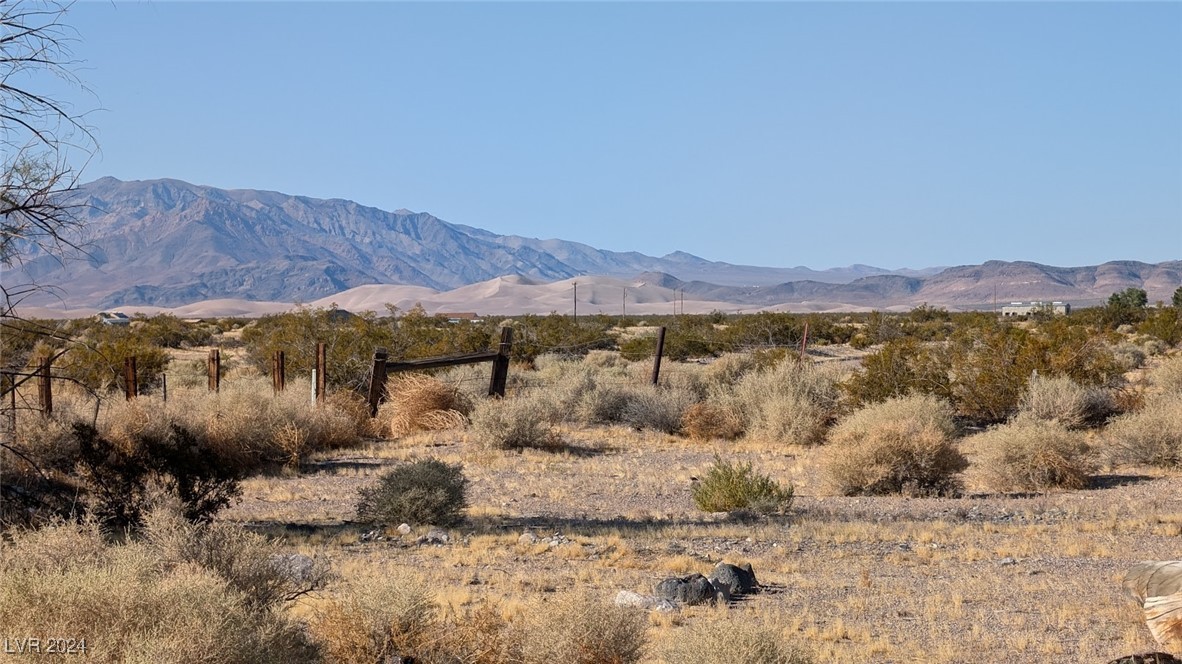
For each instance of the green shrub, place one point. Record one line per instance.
(728, 487)
(423, 491)
(118, 478)
(902, 445)
(1029, 454)
(513, 424)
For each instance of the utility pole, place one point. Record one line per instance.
(576, 299)
(624, 304)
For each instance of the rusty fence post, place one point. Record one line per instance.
(500, 364)
(45, 387)
(214, 367)
(131, 388)
(377, 380)
(660, 352)
(321, 372)
(804, 342)
(278, 372)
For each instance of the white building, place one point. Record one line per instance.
(1028, 308)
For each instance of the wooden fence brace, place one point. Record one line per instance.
(215, 370)
(500, 364)
(131, 388)
(164, 386)
(804, 342)
(278, 372)
(660, 352)
(321, 371)
(377, 380)
(45, 387)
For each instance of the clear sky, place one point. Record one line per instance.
(778, 134)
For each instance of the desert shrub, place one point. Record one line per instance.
(732, 641)
(1167, 376)
(249, 563)
(65, 580)
(706, 421)
(119, 478)
(582, 629)
(514, 423)
(604, 359)
(1065, 401)
(728, 487)
(604, 403)
(376, 618)
(422, 403)
(1029, 454)
(423, 491)
(902, 445)
(656, 409)
(728, 368)
(477, 634)
(1152, 436)
(789, 403)
(1128, 355)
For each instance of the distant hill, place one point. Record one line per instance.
(167, 243)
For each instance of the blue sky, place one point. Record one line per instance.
(780, 134)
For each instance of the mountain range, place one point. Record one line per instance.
(167, 243)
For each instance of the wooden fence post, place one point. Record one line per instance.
(215, 370)
(278, 372)
(321, 371)
(377, 380)
(164, 386)
(131, 388)
(500, 364)
(45, 387)
(804, 342)
(660, 352)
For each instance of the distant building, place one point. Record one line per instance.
(461, 316)
(1028, 308)
(113, 318)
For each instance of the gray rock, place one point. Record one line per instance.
(297, 567)
(646, 602)
(737, 580)
(404, 529)
(689, 590)
(434, 536)
(527, 539)
(1006, 562)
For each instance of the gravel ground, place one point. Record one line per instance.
(981, 578)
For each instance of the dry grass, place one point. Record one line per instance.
(1062, 400)
(376, 618)
(513, 423)
(707, 421)
(1029, 454)
(725, 641)
(129, 606)
(582, 629)
(902, 445)
(1167, 376)
(1151, 437)
(423, 403)
(790, 403)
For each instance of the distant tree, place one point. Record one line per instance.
(1126, 307)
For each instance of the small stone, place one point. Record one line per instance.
(404, 529)
(436, 536)
(527, 539)
(646, 602)
(1005, 562)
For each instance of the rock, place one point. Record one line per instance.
(404, 529)
(298, 568)
(646, 602)
(527, 539)
(689, 590)
(371, 536)
(738, 580)
(434, 536)
(1006, 562)
(1148, 658)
